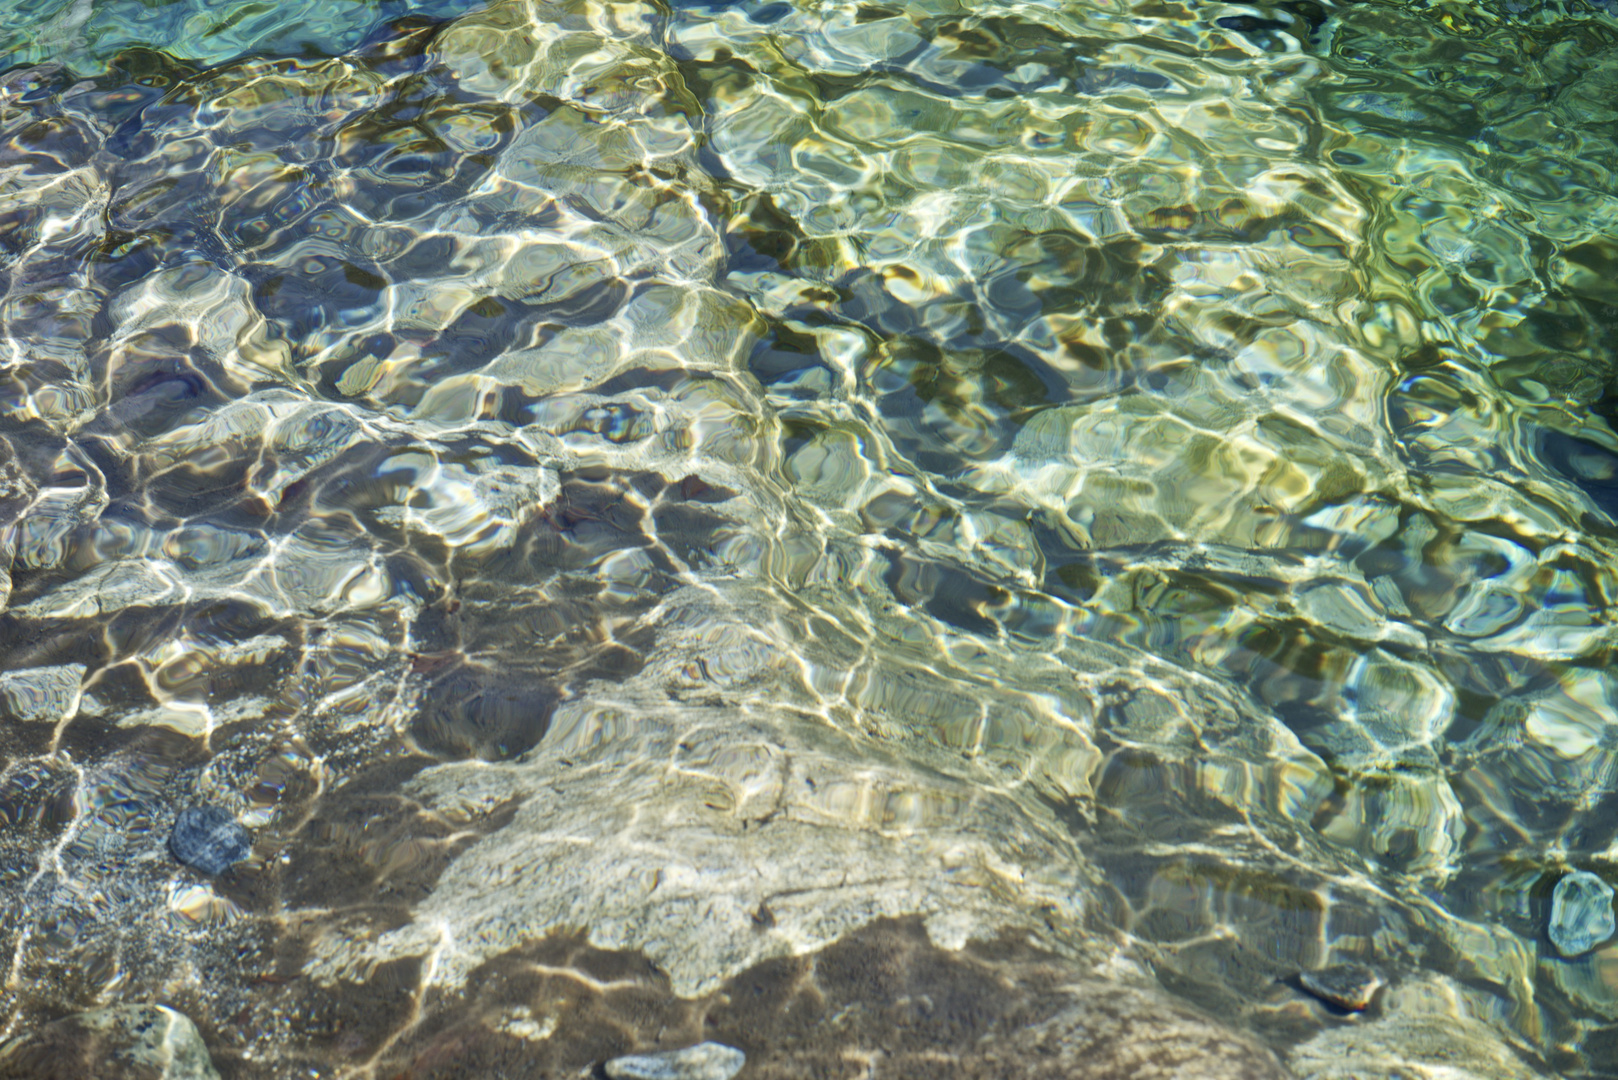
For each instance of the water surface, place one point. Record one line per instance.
(1140, 474)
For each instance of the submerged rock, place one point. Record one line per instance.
(130, 1042)
(208, 838)
(1347, 986)
(1428, 1047)
(704, 1061)
(1581, 913)
(665, 834)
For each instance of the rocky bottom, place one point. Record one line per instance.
(884, 1001)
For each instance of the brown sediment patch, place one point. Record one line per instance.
(366, 845)
(884, 1000)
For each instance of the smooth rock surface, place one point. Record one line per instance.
(130, 1042)
(1581, 913)
(704, 1061)
(209, 839)
(663, 826)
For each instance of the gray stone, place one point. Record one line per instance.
(209, 839)
(1581, 913)
(704, 1061)
(129, 1042)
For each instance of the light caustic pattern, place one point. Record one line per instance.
(1136, 473)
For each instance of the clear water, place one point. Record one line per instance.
(1140, 474)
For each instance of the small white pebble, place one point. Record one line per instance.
(704, 1061)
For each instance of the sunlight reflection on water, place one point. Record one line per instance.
(1139, 475)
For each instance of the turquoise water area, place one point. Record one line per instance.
(640, 509)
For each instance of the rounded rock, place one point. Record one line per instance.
(1349, 987)
(1581, 913)
(125, 1042)
(208, 838)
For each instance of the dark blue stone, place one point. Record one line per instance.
(207, 838)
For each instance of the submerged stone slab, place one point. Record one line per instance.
(130, 1042)
(712, 837)
(704, 1061)
(712, 842)
(1581, 913)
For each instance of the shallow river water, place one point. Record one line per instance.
(890, 535)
